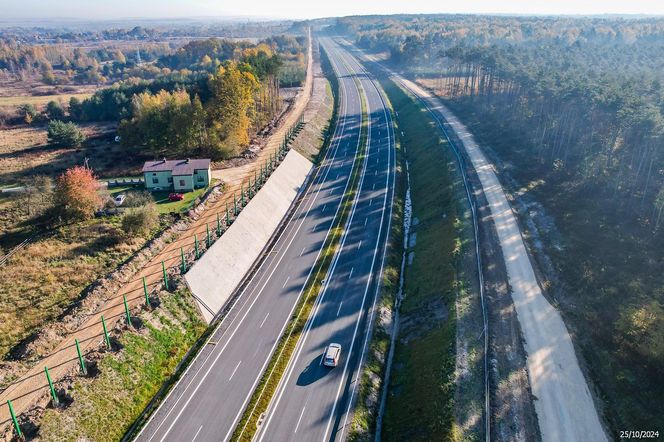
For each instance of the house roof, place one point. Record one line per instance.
(177, 167)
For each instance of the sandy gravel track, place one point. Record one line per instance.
(564, 406)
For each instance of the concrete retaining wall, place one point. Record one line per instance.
(214, 277)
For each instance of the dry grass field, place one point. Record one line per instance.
(24, 153)
(41, 281)
(40, 101)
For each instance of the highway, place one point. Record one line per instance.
(209, 399)
(314, 402)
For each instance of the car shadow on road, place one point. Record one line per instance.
(313, 372)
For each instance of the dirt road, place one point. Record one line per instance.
(564, 406)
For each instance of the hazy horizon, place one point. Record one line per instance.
(75, 10)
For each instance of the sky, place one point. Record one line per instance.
(114, 9)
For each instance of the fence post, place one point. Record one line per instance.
(126, 306)
(183, 266)
(81, 361)
(163, 271)
(13, 415)
(50, 386)
(255, 181)
(195, 246)
(234, 205)
(207, 233)
(241, 194)
(145, 292)
(228, 220)
(106, 338)
(218, 226)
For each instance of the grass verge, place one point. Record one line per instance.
(269, 382)
(105, 406)
(421, 391)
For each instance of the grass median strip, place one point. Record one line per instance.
(267, 386)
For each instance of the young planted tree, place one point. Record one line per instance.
(64, 134)
(140, 220)
(28, 112)
(75, 109)
(55, 111)
(76, 196)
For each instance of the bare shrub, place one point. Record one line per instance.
(140, 220)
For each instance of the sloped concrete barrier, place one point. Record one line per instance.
(214, 277)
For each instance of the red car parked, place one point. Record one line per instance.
(175, 196)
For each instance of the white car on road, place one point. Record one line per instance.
(332, 354)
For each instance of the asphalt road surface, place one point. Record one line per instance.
(208, 401)
(314, 402)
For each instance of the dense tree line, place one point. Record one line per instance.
(106, 30)
(62, 64)
(173, 123)
(217, 107)
(577, 103)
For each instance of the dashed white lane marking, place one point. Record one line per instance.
(285, 282)
(302, 252)
(264, 319)
(360, 244)
(365, 220)
(298, 421)
(233, 374)
(324, 206)
(370, 201)
(351, 272)
(339, 310)
(196, 435)
(374, 186)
